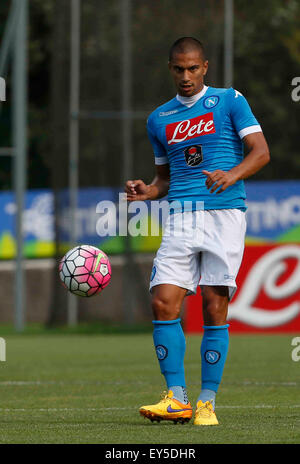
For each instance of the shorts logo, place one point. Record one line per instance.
(193, 155)
(153, 272)
(161, 352)
(212, 357)
(210, 102)
(190, 128)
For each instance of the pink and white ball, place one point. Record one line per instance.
(85, 270)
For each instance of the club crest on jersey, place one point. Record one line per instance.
(210, 102)
(190, 128)
(193, 155)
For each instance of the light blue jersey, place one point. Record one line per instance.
(207, 135)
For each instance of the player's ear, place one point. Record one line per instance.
(205, 66)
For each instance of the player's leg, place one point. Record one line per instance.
(169, 342)
(221, 259)
(215, 299)
(175, 272)
(168, 336)
(214, 348)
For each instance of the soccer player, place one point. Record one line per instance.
(197, 139)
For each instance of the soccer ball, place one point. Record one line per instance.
(85, 270)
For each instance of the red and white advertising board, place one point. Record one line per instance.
(268, 294)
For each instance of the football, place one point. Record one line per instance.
(85, 270)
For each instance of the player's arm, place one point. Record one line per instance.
(258, 156)
(256, 159)
(137, 190)
(250, 132)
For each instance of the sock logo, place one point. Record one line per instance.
(161, 352)
(212, 356)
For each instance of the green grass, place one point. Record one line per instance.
(76, 388)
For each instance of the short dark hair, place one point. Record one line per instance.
(186, 45)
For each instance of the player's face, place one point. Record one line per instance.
(188, 71)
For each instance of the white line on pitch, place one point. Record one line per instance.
(258, 406)
(62, 409)
(71, 382)
(96, 382)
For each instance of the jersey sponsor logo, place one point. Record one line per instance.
(161, 352)
(190, 128)
(210, 102)
(193, 155)
(212, 356)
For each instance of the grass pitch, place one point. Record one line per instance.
(57, 388)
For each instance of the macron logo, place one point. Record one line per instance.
(190, 128)
(237, 93)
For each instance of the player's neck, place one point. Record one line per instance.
(190, 101)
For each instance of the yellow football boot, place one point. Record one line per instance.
(205, 414)
(168, 409)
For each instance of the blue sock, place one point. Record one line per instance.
(207, 395)
(179, 393)
(214, 348)
(169, 342)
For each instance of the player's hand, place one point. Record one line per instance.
(136, 190)
(219, 180)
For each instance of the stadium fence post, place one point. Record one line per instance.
(19, 111)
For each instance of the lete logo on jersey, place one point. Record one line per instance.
(190, 128)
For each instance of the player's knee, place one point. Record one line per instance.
(163, 310)
(215, 312)
(215, 305)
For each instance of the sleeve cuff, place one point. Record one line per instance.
(249, 130)
(161, 160)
